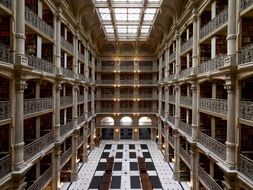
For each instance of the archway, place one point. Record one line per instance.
(145, 131)
(107, 121)
(126, 121)
(107, 133)
(126, 133)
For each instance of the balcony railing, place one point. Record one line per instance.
(185, 155)
(245, 4)
(37, 22)
(185, 127)
(126, 95)
(187, 45)
(80, 119)
(81, 56)
(42, 180)
(126, 68)
(172, 98)
(146, 82)
(211, 65)
(185, 73)
(127, 110)
(105, 82)
(219, 106)
(184, 100)
(105, 110)
(66, 128)
(171, 77)
(80, 98)
(213, 145)
(214, 24)
(5, 110)
(38, 145)
(172, 56)
(37, 105)
(89, 114)
(5, 166)
(107, 68)
(5, 53)
(171, 139)
(146, 68)
(66, 100)
(246, 166)
(68, 73)
(82, 77)
(66, 44)
(246, 110)
(40, 64)
(66, 155)
(126, 81)
(144, 110)
(6, 3)
(246, 55)
(208, 180)
(171, 119)
(105, 96)
(80, 140)
(150, 96)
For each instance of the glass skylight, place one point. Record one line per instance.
(127, 19)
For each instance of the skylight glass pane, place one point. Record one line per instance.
(150, 11)
(103, 10)
(135, 0)
(133, 17)
(120, 10)
(149, 17)
(134, 10)
(154, 1)
(105, 17)
(121, 17)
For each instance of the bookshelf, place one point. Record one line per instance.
(221, 45)
(247, 31)
(5, 30)
(31, 44)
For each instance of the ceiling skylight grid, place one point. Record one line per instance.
(127, 19)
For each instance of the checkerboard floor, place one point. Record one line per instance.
(125, 175)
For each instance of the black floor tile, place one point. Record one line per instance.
(95, 182)
(131, 146)
(135, 182)
(105, 154)
(155, 182)
(132, 155)
(108, 146)
(116, 182)
(150, 166)
(144, 146)
(146, 155)
(133, 166)
(120, 146)
(101, 166)
(119, 154)
(117, 166)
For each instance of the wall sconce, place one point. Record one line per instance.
(116, 130)
(164, 145)
(157, 136)
(136, 130)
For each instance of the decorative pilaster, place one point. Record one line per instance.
(92, 143)
(194, 111)
(58, 37)
(136, 134)
(56, 169)
(194, 161)
(166, 152)
(74, 108)
(57, 125)
(166, 102)
(74, 163)
(177, 107)
(176, 155)
(86, 91)
(93, 101)
(195, 41)
(231, 125)
(85, 143)
(159, 100)
(18, 157)
(159, 143)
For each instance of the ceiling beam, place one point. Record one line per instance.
(113, 19)
(145, 2)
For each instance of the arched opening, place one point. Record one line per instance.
(126, 121)
(145, 133)
(107, 121)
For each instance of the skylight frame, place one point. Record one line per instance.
(140, 14)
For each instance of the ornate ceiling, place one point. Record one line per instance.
(127, 27)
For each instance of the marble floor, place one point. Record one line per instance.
(125, 174)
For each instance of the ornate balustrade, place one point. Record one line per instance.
(214, 105)
(246, 110)
(171, 77)
(105, 82)
(6, 3)
(105, 96)
(213, 145)
(68, 73)
(5, 53)
(80, 98)
(107, 68)
(126, 95)
(187, 45)
(5, 166)
(208, 180)
(185, 73)
(81, 56)
(82, 77)
(214, 24)
(40, 64)
(66, 128)
(171, 139)
(185, 155)
(66, 155)
(184, 100)
(37, 22)
(147, 68)
(185, 127)
(162, 113)
(246, 55)
(66, 44)
(42, 180)
(89, 114)
(37, 105)
(38, 145)
(5, 110)
(105, 110)
(147, 96)
(246, 166)
(245, 4)
(127, 81)
(172, 56)
(66, 100)
(146, 82)
(118, 124)
(211, 65)
(126, 68)
(171, 119)
(172, 98)
(145, 110)
(80, 119)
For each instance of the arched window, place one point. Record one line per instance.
(126, 121)
(145, 121)
(107, 121)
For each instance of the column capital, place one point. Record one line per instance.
(20, 86)
(229, 87)
(194, 87)
(58, 87)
